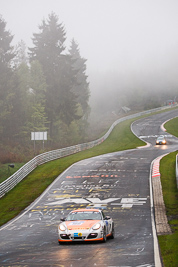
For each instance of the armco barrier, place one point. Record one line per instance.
(14, 179)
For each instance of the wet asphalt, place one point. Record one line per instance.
(119, 183)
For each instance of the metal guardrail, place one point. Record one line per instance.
(19, 175)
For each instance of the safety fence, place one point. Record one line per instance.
(18, 176)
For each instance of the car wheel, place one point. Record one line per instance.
(113, 232)
(104, 235)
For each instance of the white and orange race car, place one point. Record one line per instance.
(85, 225)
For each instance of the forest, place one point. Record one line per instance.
(42, 89)
(45, 88)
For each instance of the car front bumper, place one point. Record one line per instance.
(83, 235)
(161, 143)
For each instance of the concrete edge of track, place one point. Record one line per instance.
(147, 144)
(162, 126)
(157, 256)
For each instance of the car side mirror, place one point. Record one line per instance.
(107, 218)
(63, 219)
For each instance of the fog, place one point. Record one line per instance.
(127, 43)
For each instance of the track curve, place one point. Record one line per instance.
(117, 182)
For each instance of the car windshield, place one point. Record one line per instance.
(84, 215)
(160, 138)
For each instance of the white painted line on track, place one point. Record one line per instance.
(147, 144)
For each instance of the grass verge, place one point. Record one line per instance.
(6, 171)
(172, 126)
(37, 181)
(169, 243)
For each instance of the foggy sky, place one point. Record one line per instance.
(131, 41)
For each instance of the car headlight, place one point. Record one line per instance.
(62, 227)
(96, 226)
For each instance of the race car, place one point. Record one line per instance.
(161, 140)
(85, 225)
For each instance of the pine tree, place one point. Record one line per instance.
(81, 87)
(19, 113)
(6, 50)
(21, 56)
(37, 99)
(6, 56)
(48, 45)
(48, 50)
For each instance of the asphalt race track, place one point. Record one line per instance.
(119, 183)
